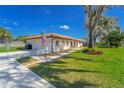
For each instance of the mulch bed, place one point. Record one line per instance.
(92, 52)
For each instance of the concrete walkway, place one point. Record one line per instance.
(15, 75)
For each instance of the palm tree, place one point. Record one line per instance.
(5, 36)
(104, 27)
(111, 24)
(93, 14)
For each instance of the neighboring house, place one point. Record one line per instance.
(53, 43)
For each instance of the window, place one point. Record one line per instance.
(71, 43)
(67, 43)
(57, 43)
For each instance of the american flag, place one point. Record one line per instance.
(43, 40)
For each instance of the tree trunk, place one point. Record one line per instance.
(91, 38)
(95, 38)
(6, 43)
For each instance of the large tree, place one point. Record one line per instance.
(93, 14)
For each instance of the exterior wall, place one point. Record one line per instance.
(53, 45)
(60, 44)
(37, 45)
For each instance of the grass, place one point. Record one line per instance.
(27, 61)
(82, 70)
(11, 49)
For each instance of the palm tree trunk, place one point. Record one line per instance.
(6, 43)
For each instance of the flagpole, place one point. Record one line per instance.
(43, 37)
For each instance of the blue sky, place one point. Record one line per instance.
(32, 20)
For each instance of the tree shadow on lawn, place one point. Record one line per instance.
(77, 58)
(62, 83)
(53, 75)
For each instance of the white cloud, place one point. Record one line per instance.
(66, 27)
(15, 23)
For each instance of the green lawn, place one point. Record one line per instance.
(12, 49)
(82, 70)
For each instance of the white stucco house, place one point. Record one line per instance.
(54, 43)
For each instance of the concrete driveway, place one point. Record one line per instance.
(15, 75)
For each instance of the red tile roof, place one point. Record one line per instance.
(54, 36)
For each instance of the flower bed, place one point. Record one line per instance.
(92, 52)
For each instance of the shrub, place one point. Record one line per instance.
(115, 38)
